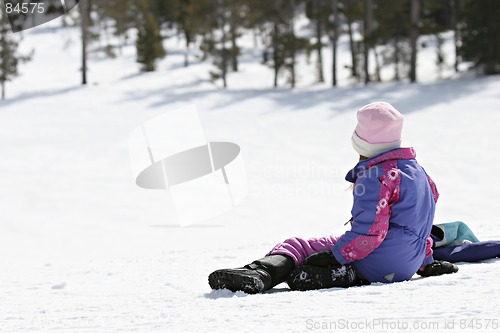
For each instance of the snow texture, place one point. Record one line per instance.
(85, 250)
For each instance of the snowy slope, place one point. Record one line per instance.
(85, 250)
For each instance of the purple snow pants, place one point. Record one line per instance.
(299, 248)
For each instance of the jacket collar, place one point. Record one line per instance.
(395, 154)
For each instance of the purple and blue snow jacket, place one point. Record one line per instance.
(392, 215)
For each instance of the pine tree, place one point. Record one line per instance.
(186, 23)
(209, 20)
(178, 14)
(274, 21)
(221, 52)
(352, 10)
(200, 18)
(9, 57)
(438, 17)
(238, 11)
(393, 25)
(230, 16)
(149, 42)
(480, 35)
(317, 11)
(122, 13)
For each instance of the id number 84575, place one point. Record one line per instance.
(24, 8)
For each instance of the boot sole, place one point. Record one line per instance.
(227, 279)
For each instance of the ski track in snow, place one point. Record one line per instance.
(84, 250)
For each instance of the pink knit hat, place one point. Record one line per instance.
(378, 130)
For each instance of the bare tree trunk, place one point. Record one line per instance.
(234, 46)
(275, 53)
(224, 59)
(222, 13)
(377, 65)
(319, 46)
(294, 46)
(84, 17)
(188, 42)
(4, 52)
(396, 58)
(415, 10)
(334, 41)
(439, 55)
(367, 36)
(454, 23)
(354, 68)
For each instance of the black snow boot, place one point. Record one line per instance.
(259, 276)
(321, 270)
(438, 267)
(310, 277)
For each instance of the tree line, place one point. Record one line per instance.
(384, 32)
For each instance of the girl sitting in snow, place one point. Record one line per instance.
(392, 215)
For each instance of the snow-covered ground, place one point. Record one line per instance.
(85, 250)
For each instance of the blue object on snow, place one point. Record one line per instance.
(455, 233)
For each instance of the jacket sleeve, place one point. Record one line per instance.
(434, 189)
(435, 192)
(373, 199)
